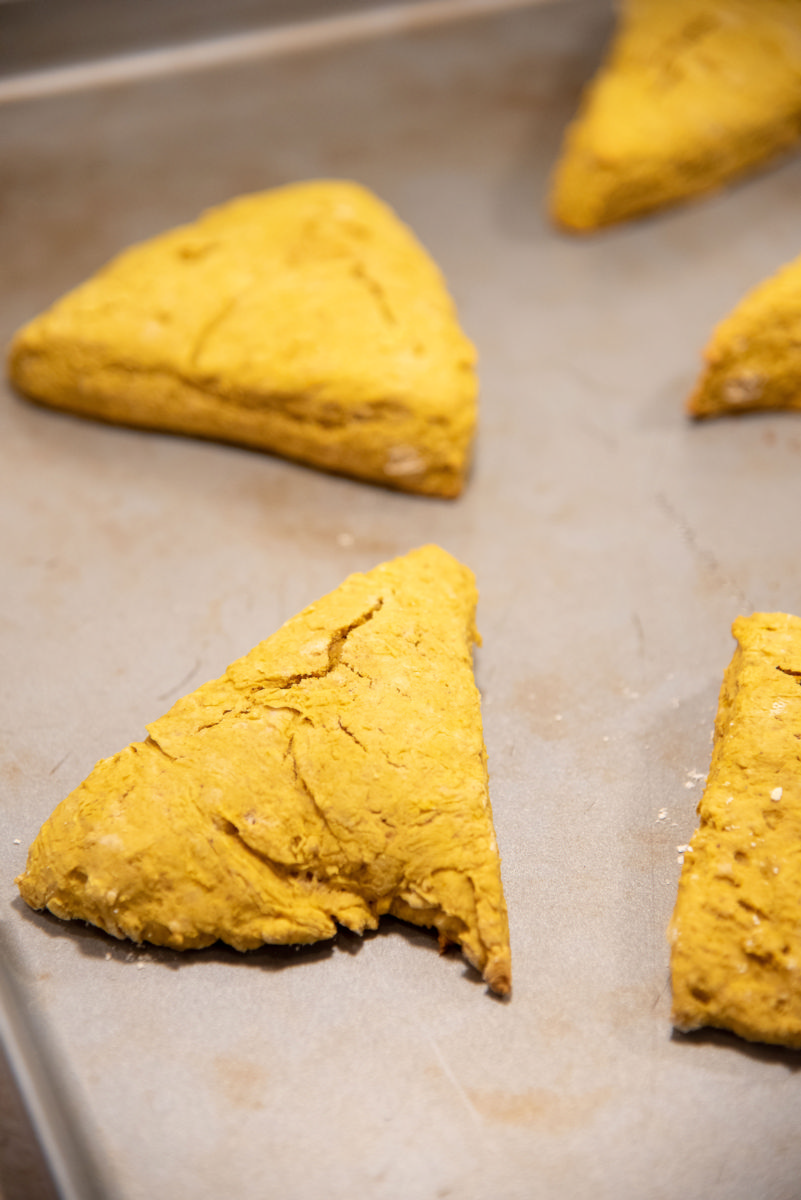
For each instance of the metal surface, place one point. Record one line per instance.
(44, 1154)
(613, 542)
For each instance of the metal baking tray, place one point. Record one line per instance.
(613, 540)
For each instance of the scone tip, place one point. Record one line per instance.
(498, 975)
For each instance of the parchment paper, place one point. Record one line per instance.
(613, 541)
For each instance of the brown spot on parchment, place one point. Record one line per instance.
(241, 1081)
(18, 764)
(553, 1023)
(655, 847)
(544, 699)
(11, 771)
(555, 1112)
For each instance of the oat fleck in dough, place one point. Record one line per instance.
(753, 359)
(736, 929)
(335, 773)
(692, 94)
(307, 321)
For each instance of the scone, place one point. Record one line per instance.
(692, 93)
(335, 773)
(736, 929)
(307, 321)
(753, 359)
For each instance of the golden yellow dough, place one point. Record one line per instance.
(736, 929)
(753, 359)
(335, 773)
(692, 94)
(307, 321)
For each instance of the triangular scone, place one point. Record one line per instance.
(753, 359)
(692, 94)
(307, 321)
(335, 773)
(736, 929)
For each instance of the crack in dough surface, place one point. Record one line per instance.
(335, 773)
(307, 321)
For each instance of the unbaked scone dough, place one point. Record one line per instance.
(307, 321)
(736, 929)
(753, 359)
(335, 773)
(692, 94)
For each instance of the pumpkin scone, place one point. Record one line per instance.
(753, 359)
(335, 773)
(736, 929)
(307, 321)
(692, 94)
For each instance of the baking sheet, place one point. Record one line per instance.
(613, 542)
